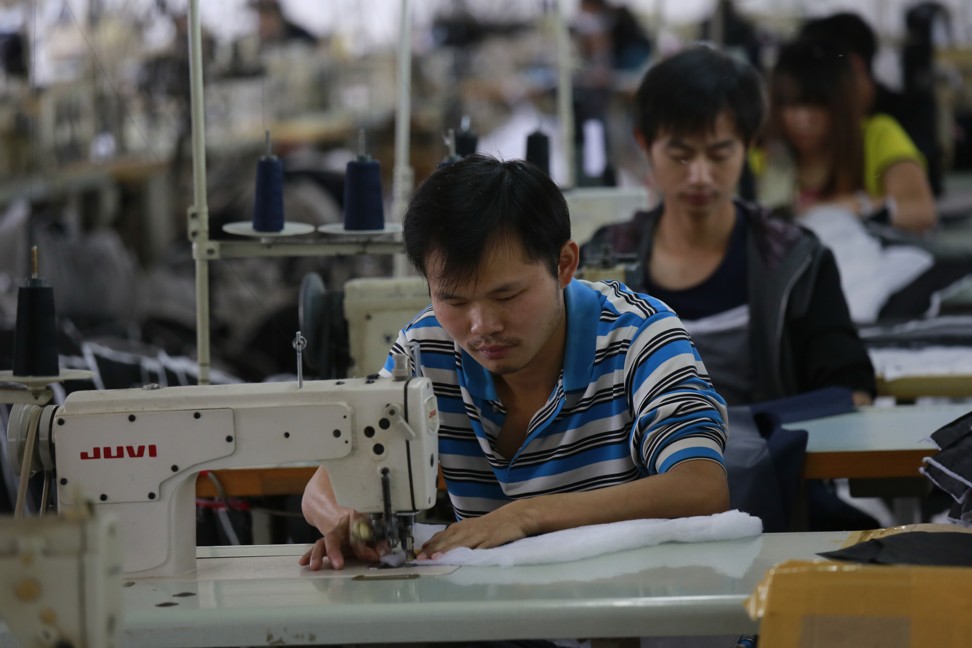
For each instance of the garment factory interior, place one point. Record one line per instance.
(100, 189)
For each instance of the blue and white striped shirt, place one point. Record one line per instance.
(633, 400)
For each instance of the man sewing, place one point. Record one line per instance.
(562, 403)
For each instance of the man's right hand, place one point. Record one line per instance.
(348, 537)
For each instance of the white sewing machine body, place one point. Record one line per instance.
(136, 452)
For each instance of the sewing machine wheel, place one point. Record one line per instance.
(320, 326)
(310, 314)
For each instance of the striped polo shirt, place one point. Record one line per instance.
(633, 399)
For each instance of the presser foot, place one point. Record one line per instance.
(394, 543)
(401, 555)
(395, 559)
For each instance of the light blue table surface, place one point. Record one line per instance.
(257, 595)
(901, 427)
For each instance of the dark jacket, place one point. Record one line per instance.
(801, 334)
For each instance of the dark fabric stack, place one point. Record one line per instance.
(941, 548)
(951, 468)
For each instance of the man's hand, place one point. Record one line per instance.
(351, 535)
(491, 530)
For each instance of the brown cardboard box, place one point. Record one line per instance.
(825, 604)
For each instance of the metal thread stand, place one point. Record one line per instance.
(205, 249)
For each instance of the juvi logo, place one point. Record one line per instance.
(120, 452)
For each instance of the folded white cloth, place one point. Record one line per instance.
(869, 272)
(598, 539)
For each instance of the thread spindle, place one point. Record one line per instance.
(363, 198)
(450, 142)
(466, 139)
(268, 206)
(35, 336)
(538, 150)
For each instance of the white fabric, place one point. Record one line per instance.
(588, 541)
(896, 363)
(733, 559)
(732, 319)
(869, 272)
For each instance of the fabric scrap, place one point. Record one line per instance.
(947, 549)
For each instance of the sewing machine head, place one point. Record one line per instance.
(136, 452)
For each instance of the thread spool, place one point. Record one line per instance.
(538, 150)
(268, 207)
(363, 201)
(35, 337)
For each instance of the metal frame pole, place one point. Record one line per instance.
(198, 223)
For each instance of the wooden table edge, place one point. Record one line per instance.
(864, 464)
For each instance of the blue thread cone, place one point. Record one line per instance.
(268, 208)
(363, 201)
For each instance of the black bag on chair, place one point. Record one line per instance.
(764, 462)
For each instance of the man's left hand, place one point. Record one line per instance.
(491, 530)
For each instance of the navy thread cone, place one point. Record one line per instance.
(363, 201)
(268, 208)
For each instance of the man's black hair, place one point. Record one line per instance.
(687, 92)
(467, 207)
(846, 32)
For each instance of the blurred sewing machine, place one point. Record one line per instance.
(137, 452)
(62, 579)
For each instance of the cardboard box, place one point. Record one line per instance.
(826, 604)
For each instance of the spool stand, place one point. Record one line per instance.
(205, 250)
(269, 198)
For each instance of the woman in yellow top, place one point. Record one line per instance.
(820, 147)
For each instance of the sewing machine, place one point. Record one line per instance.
(376, 309)
(62, 579)
(136, 452)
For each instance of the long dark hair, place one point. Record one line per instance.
(812, 72)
